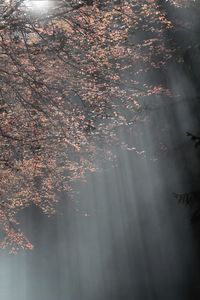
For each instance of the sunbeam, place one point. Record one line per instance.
(99, 219)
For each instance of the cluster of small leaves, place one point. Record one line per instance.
(70, 77)
(192, 200)
(194, 138)
(182, 3)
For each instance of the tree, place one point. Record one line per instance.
(70, 75)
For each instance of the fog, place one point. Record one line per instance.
(123, 235)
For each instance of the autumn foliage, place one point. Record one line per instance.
(70, 76)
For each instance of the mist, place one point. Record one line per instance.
(123, 235)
